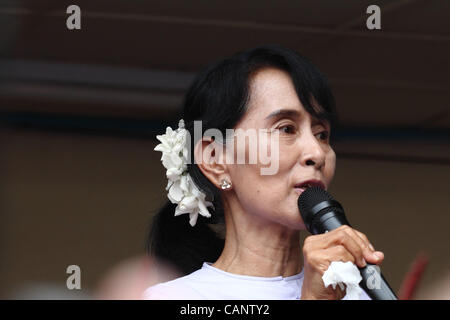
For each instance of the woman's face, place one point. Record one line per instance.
(304, 151)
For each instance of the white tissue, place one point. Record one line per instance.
(340, 273)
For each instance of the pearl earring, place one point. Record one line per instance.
(225, 185)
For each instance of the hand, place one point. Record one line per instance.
(342, 244)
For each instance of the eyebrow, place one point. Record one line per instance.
(291, 113)
(284, 113)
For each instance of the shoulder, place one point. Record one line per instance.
(183, 288)
(163, 291)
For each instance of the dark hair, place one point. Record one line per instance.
(218, 97)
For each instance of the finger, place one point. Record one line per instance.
(317, 241)
(365, 239)
(364, 243)
(369, 252)
(321, 259)
(341, 291)
(338, 253)
(355, 245)
(380, 256)
(341, 236)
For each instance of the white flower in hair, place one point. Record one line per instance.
(182, 190)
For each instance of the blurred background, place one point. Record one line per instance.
(79, 111)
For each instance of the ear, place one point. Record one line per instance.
(209, 156)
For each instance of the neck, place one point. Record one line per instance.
(255, 246)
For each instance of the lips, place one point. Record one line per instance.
(302, 186)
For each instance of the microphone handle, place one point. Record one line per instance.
(373, 282)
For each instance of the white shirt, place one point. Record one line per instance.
(210, 283)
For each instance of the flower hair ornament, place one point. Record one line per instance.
(181, 188)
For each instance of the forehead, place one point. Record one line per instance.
(272, 89)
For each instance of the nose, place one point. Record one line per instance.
(312, 153)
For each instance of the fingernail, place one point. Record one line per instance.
(371, 247)
(378, 255)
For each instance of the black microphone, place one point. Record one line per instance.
(321, 213)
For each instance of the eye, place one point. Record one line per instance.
(324, 135)
(287, 128)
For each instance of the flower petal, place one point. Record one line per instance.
(189, 202)
(169, 184)
(184, 183)
(175, 193)
(179, 211)
(181, 188)
(202, 209)
(161, 147)
(193, 218)
(174, 174)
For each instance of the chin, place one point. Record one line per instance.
(294, 223)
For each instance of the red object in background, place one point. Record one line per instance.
(412, 278)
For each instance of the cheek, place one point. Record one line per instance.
(276, 161)
(330, 166)
(254, 189)
(266, 196)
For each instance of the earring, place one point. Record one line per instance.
(225, 185)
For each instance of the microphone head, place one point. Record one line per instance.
(308, 200)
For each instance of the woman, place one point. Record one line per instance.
(275, 90)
